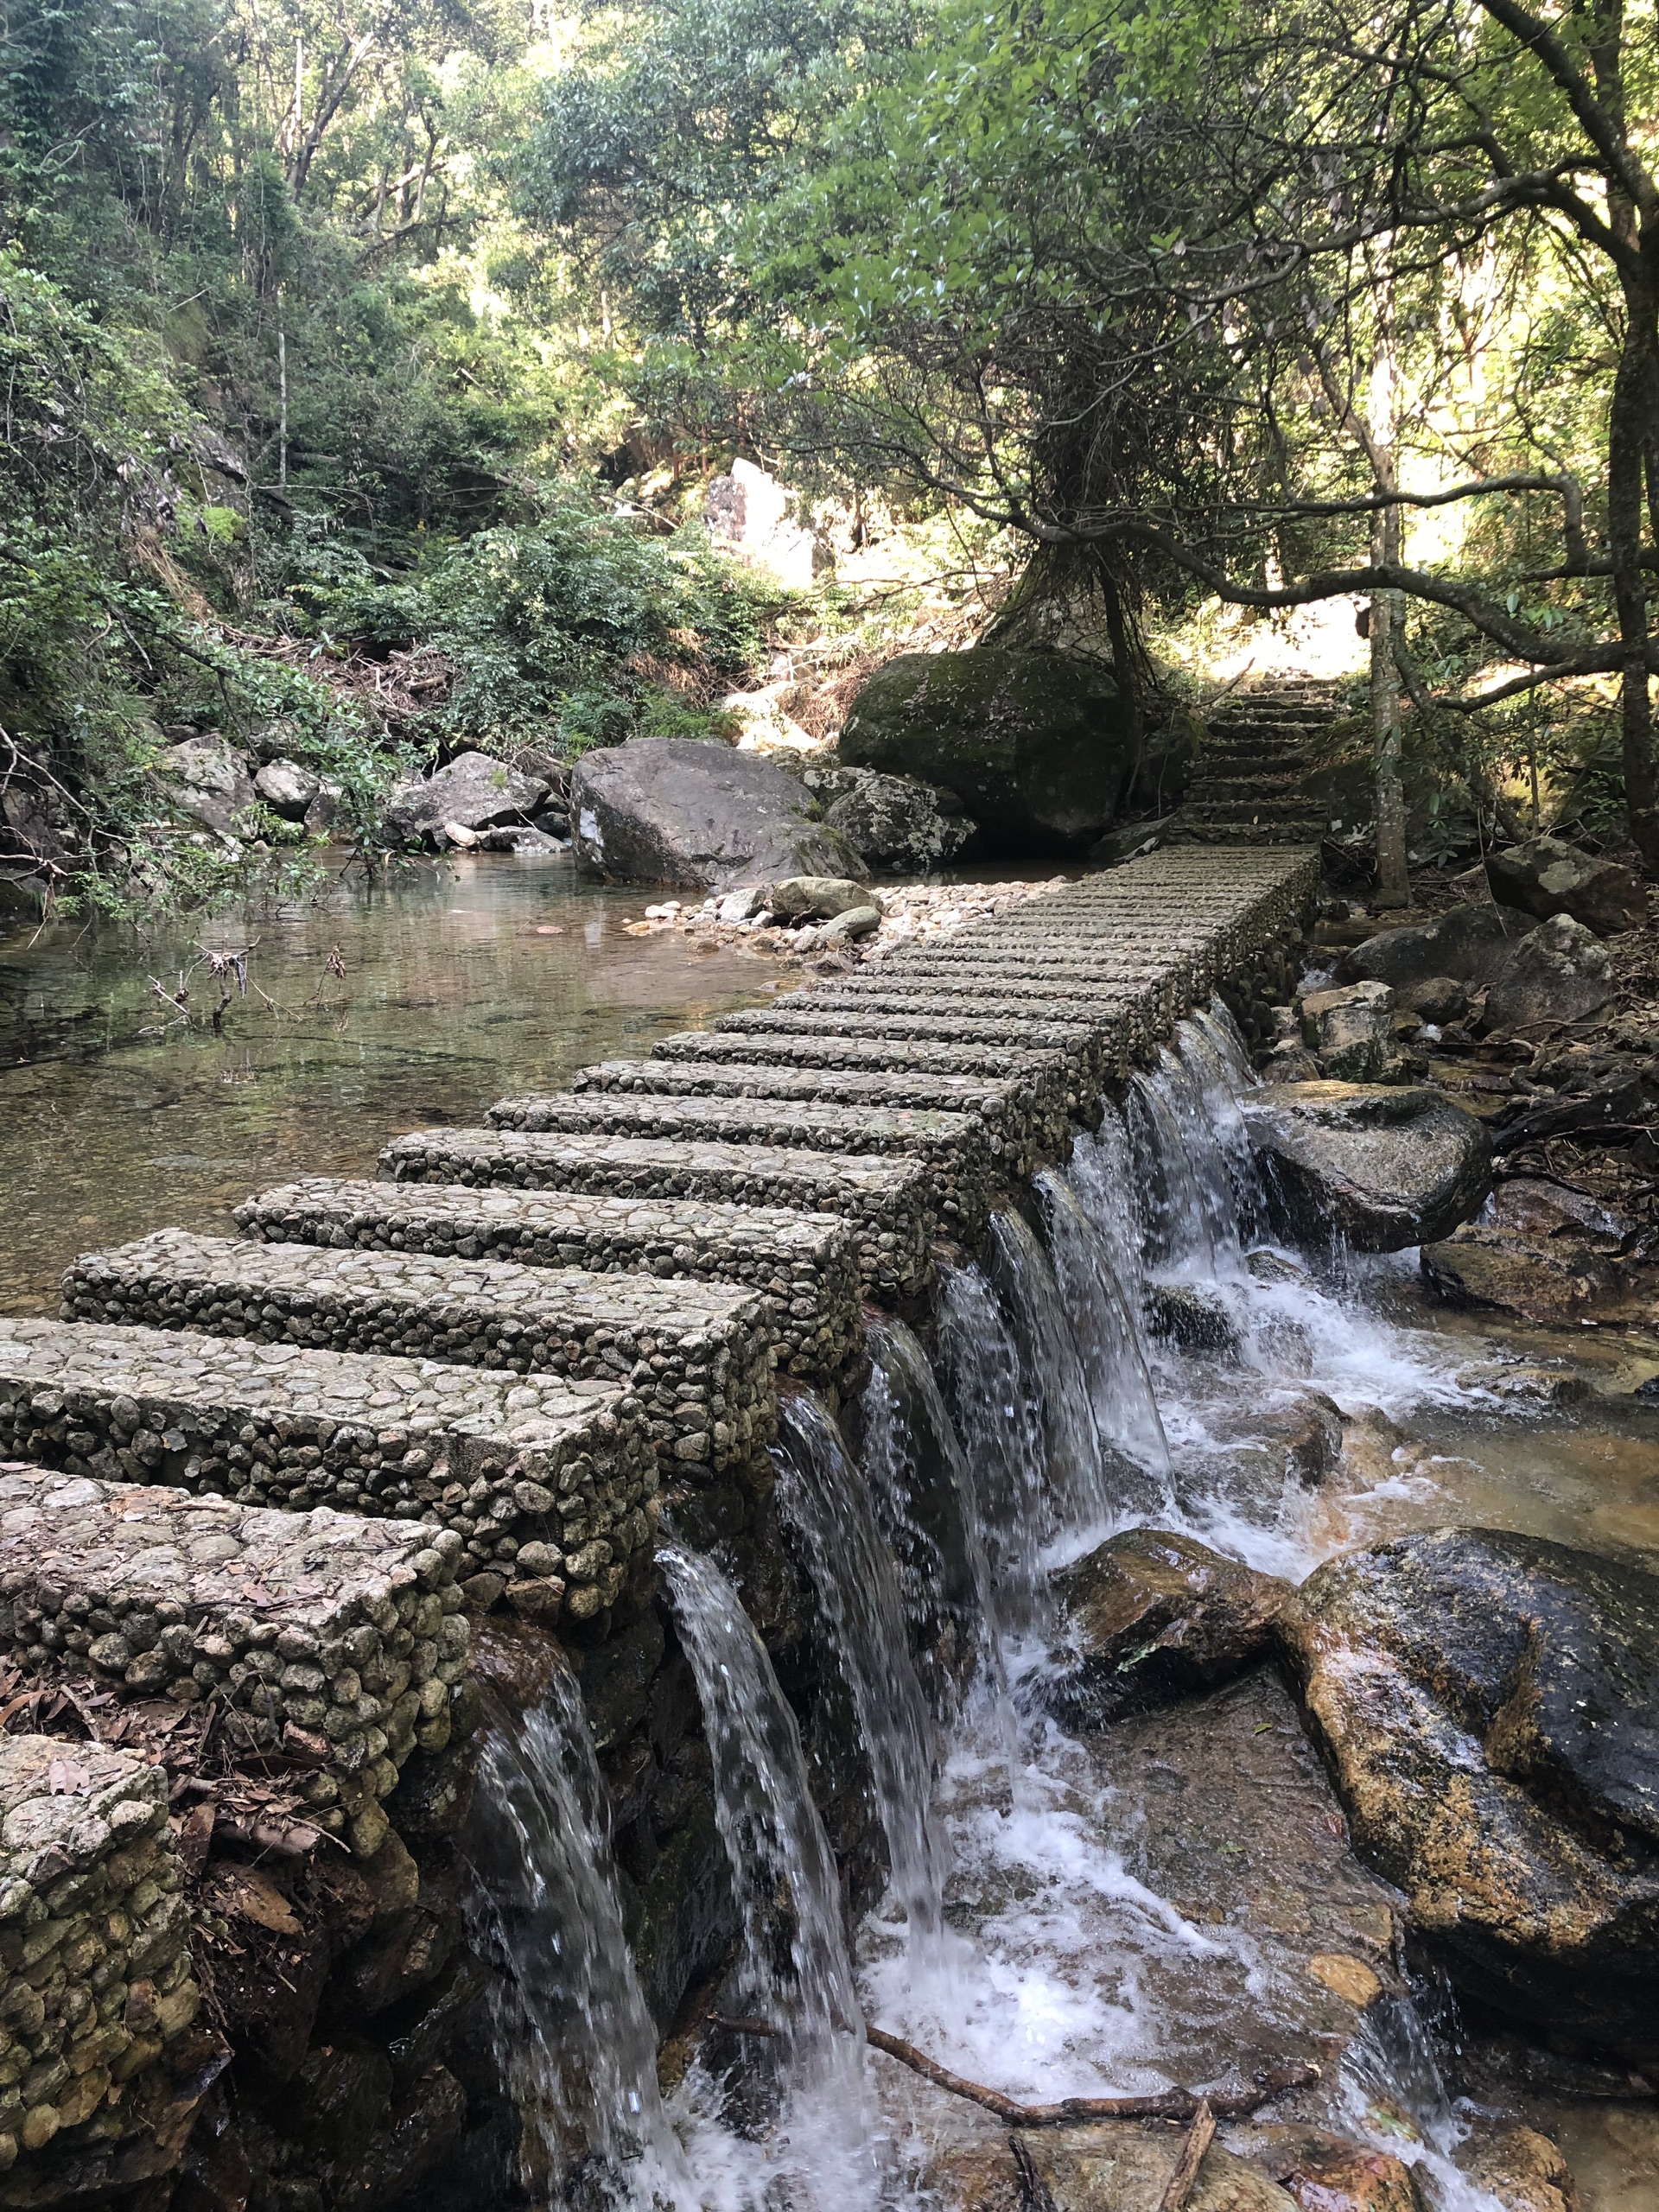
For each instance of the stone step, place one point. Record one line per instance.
(1051, 1076)
(334, 1638)
(489, 1455)
(697, 1355)
(1094, 1053)
(1124, 1014)
(1023, 1117)
(888, 1202)
(93, 1880)
(804, 1266)
(962, 1152)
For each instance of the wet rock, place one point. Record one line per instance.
(1438, 999)
(1538, 1386)
(408, 1952)
(1150, 1616)
(1523, 2169)
(1469, 944)
(1487, 1702)
(1544, 1279)
(1545, 877)
(899, 825)
(1350, 1031)
(1123, 844)
(683, 810)
(426, 2120)
(287, 789)
(209, 780)
(473, 793)
(1193, 1316)
(1560, 973)
(1036, 745)
(818, 898)
(1329, 2173)
(1619, 1100)
(1116, 2167)
(1383, 1167)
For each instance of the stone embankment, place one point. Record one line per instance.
(268, 1494)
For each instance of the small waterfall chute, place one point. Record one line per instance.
(1026, 1285)
(824, 1495)
(577, 2044)
(998, 1416)
(1106, 1330)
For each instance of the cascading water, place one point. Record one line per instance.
(1107, 1332)
(1025, 1282)
(1204, 1227)
(999, 1418)
(578, 2045)
(1103, 1173)
(824, 1496)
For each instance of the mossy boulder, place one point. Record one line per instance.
(1037, 746)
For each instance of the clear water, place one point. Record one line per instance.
(417, 998)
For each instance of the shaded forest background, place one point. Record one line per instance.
(365, 361)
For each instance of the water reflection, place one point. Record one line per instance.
(414, 1000)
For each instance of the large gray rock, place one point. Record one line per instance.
(1562, 972)
(1488, 1704)
(1470, 943)
(899, 825)
(1035, 745)
(1546, 877)
(474, 791)
(287, 789)
(684, 810)
(209, 780)
(1382, 1165)
(1351, 1032)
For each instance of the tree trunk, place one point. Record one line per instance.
(1393, 875)
(1628, 438)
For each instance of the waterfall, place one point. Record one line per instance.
(1107, 1334)
(1226, 1041)
(1025, 1282)
(1196, 1173)
(795, 1972)
(1103, 1173)
(826, 1497)
(1178, 1236)
(1199, 1049)
(577, 2044)
(998, 1416)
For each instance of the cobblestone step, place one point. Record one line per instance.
(889, 1203)
(492, 1457)
(802, 1266)
(697, 1356)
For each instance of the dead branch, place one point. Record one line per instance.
(1071, 2111)
(1198, 2140)
(1034, 2192)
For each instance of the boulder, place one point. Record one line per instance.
(899, 825)
(1351, 1032)
(1562, 972)
(1124, 843)
(287, 789)
(209, 781)
(818, 898)
(1438, 999)
(1546, 1278)
(1487, 1703)
(1109, 2168)
(1547, 877)
(1471, 944)
(1150, 1616)
(473, 793)
(1330, 2173)
(1035, 745)
(683, 810)
(1383, 1166)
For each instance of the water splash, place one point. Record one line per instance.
(577, 2044)
(824, 1496)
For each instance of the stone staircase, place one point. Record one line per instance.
(1247, 789)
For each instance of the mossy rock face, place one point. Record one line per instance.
(1036, 745)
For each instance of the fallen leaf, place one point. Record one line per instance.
(196, 1836)
(251, 1895)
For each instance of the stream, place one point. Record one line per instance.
(1069, 1912)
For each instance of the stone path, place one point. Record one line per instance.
(1249, 785)
(273, 1474)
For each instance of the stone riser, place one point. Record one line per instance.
(699, 1360)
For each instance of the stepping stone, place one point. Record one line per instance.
(804, 1266)
(335, 1639)
(90, 1879)
(492, 1456)
(960, 1150)
(1011, 1029)
(697, 1356)
(888, 1202)
(1026, 1127)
